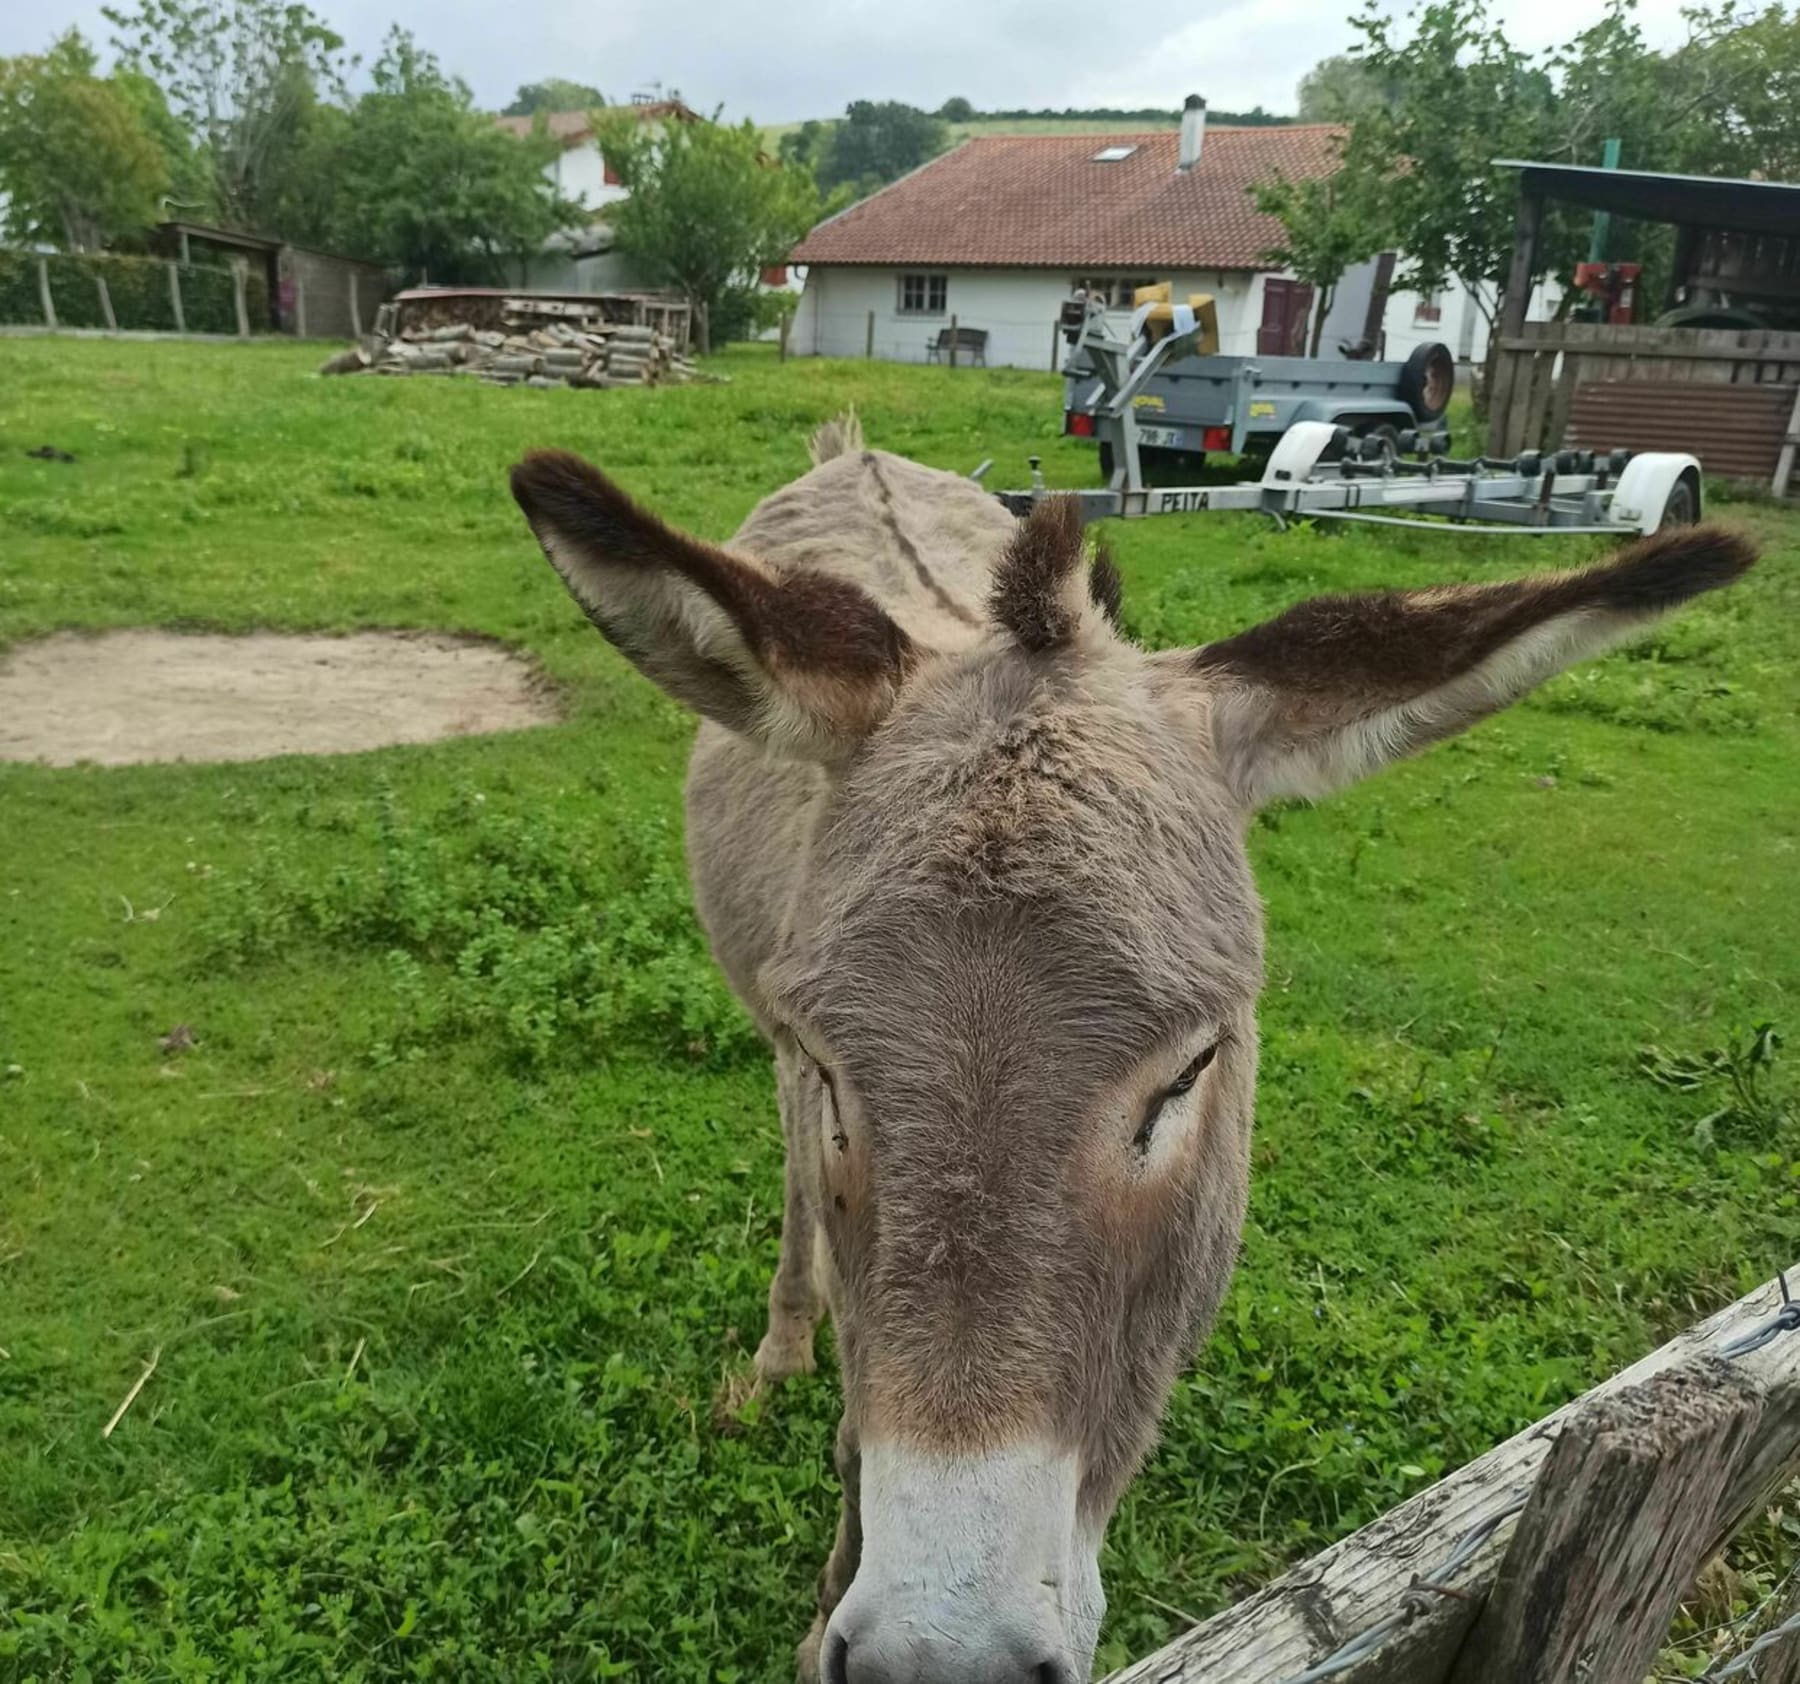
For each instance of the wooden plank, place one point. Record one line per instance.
(1562, 399)
(1278, 1632)
(1778, 355)
(44, 299)
(1619, 1518)
(1526, 225)
(1507, 365)
(175, 297)
(1784, 463)
(1518, 409)
(1780, 1662)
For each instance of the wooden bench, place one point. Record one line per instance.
(958, 344)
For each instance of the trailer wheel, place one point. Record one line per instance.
(1683, 505)
(1427, 380)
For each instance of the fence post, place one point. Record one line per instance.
(1781, 1665)
(175, 296)
(355, 309)
(1619, 1520)
(300, 308)
(869, 342)
(106, 309)
(781, 355)
(238, 298)
(44, 297)
(1055, 343)
(953, 342)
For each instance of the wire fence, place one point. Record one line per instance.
(1426, 1588)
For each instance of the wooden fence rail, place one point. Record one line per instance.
(1556, 1558)
(1538, 370)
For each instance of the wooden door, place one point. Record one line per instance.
(1287, 310)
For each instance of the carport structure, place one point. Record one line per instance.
(1729, 393)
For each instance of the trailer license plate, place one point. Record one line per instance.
(1168, 438)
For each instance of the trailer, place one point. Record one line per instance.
(1157, 399)
(1356, 463)
(1321, 472)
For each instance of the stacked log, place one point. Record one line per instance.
(537, 346)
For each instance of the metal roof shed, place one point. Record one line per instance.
(1731, 394)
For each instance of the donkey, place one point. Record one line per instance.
(975, 863)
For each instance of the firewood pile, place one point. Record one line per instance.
(541, 342)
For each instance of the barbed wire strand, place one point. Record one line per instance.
(1424, 1592)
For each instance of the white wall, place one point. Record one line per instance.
(580, 173)
(1017, 307)
(1463, 326)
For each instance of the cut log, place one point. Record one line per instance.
(542, 381)
(455, 331)
(511, 362)
(352, 361)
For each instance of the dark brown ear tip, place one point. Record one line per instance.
(1670, 567)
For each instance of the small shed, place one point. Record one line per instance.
(1721, 380)
(312, 294)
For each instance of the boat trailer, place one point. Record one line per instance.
(1325, 473)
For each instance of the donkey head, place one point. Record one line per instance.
(1019, 982)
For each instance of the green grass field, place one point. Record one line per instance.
(450, 1227)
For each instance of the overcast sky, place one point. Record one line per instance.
(809, 58)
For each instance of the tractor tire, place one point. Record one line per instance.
(1427, 380)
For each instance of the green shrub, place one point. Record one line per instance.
(138, 286)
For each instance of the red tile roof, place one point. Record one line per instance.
(1041, 201)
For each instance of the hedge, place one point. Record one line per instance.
(138, 286)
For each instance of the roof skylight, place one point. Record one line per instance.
(1113, 154)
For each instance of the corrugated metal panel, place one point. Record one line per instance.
(1736, 431)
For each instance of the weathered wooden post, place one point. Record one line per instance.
(869, 342)
(355, 309)
(781, 354)
(953, 342)
(1620, 1520)
(300, 308)
(175, 296)
(1504, 364)
(44, 298)
(106, 308)
(240, 300)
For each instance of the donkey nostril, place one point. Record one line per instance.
(1054, 1672)
(837, 1659)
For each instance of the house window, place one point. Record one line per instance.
(1429, 311)
(923, 295)
(1115, 293)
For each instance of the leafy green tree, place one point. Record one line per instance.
(79, 165)
(244, 76)
(708, 207)
(1737, 85)
(427, 182)
(957, 110)
(1339, 90)
(878, 143)
(1461, 95)
(1328, 225)
(553, 94)
(805, 146)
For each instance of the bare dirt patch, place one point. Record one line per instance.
(125, 697)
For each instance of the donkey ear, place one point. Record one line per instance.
(1340, 686)
(802, 661)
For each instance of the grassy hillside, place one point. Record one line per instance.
(460, 1212)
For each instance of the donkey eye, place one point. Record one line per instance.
(1183, 1083)
(1191, 1074)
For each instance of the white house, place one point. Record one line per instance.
(995, 235)
(585, 259)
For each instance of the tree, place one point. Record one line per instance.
(805, 146)
(553, 94)
(878, 143)
(957, 110)
(708, 207)
(1339, 90)
(1328, 224)
(79, 166)
(427, 182)
(244, 76)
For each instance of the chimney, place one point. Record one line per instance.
(1193, 131)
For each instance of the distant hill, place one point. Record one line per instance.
(1099, 121)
